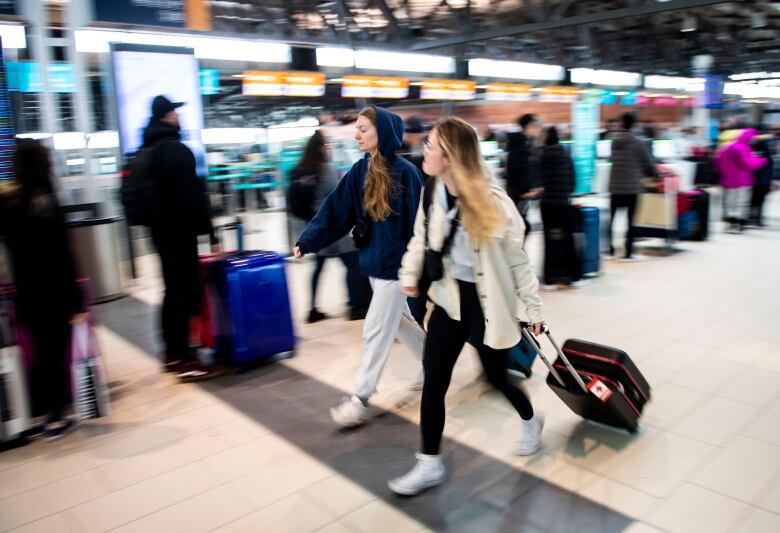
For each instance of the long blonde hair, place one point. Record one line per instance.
(459, 142)
(379, 182)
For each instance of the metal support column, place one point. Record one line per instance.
(34, 11)
(78, 15)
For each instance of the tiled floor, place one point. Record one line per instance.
(258, 452)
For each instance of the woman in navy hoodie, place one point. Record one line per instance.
(379, 198)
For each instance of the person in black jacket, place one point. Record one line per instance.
(522, 165)
(185, 215)
(47, 296)
(412, 146)
(764, 177)
(562, 264)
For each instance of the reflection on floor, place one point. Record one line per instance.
(257, 452)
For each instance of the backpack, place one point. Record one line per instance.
(302, 195)
(139, 191)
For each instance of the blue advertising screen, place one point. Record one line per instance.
(25, 76)
(209, 81)
(7, 142)
(7, 7)
(713, 91)
(142, 12)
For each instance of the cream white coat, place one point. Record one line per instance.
(505, 281)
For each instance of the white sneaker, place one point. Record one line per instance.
(580, 283)
(428, 472)
(635, 258)
(546, 287)
(350, 413)
(530, 436)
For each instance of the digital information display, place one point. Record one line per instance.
(7, 142)
(140, 73)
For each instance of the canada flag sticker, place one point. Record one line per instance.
(599, 390)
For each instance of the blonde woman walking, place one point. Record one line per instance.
(485, 276)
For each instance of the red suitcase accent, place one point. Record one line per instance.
(597, 382)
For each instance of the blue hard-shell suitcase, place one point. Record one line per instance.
(589, 227)
(522, 355)
(256, 307)
(688, 225)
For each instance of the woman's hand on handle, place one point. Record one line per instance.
(411, 292)
(537, 328)
(297, 252)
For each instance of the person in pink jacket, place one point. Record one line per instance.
(736, 163)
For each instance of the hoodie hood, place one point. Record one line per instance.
(158, 130)
(747, 135)
(390, 132)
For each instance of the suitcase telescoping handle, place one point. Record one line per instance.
(238, 226)
(562, 355)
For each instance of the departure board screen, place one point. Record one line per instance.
(7, 142)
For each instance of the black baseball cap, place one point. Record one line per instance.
(414, 125)
(161, 106)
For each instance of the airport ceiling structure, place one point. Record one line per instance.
(649, 36)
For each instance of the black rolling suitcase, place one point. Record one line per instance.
(597, 382)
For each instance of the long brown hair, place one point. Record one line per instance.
(32, 167)
(314, 156)
(379, 182)
(460, 144)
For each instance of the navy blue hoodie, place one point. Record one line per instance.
(381, 257)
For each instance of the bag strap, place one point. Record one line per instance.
(447, 244)
(430, 187)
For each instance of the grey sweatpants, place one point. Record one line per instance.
(388, 316)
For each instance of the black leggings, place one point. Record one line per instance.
(445, 340)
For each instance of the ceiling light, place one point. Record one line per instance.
(674, 82)
(98, 41)
(606, 77)
(13, 36)
(515, 69)
(758, 20)
(380, 60)
(689, 24)
(335, 57)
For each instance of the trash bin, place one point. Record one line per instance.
(94, 242)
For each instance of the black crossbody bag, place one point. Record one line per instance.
(361, 233)
(433, 261)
